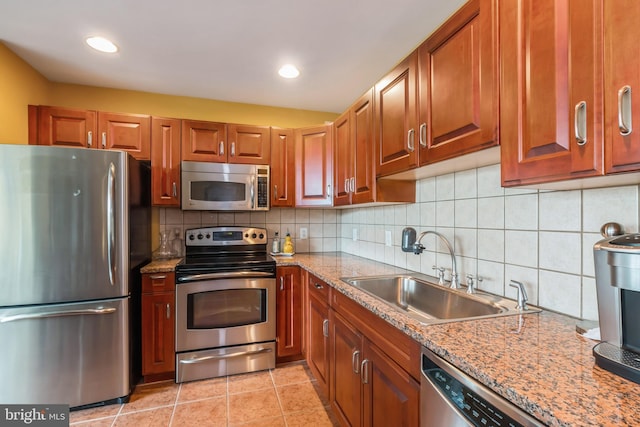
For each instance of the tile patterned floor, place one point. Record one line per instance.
(285, 396)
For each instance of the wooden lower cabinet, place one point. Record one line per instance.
(288, 314)
(317, 307)
(158, 326)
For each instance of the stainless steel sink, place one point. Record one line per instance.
(420, 297)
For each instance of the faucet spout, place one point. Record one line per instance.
(418, 248)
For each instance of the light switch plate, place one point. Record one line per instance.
(355, 234)
(304, 233)
(387, 238)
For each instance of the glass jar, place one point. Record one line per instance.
(164, 251)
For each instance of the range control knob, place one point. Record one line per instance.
(261, 236)
(200, 236)
(192, 237)
(253, 236)
(208, 236)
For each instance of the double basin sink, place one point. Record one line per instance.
(421, 298)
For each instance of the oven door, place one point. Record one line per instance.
(218, 191)
(225, 312)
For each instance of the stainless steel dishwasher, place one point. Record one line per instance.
(450, 398)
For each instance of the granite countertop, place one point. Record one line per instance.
(161, 265)
(537, 361)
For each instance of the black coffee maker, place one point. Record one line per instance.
(617, 264)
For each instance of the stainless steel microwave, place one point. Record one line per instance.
(224, 187)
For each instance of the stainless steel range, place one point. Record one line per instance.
(225, 303)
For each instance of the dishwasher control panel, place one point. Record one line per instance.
(450, 397)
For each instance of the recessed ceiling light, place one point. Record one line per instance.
(102, 44)
(289, 71)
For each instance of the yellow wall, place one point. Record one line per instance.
(129, 101)
(20, 85)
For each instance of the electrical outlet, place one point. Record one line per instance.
(304, 233)
(387, 238)
(355, 234)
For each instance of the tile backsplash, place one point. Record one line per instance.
(541, 238)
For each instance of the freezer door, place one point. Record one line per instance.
(64, 224)
(75, 354)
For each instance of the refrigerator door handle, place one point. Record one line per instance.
(57, 313)
(111, 244)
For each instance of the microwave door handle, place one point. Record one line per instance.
(253, 184)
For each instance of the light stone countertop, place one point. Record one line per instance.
(537, 361)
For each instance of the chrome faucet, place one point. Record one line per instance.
(522, 295)
(411, 244)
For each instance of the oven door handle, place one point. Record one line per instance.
(226, 275)
(226, 356)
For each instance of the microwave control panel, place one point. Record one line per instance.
(263, 192)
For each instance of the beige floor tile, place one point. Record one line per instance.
(152, 418)
(253, 406)
(298, 397)
(152, 396)
(209, 412)
(102, 422)
(93, 413)
(196, 390)
(290, 374)
(249, 382)
(315, 418)
(268, 422)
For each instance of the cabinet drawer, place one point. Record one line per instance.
(158, 282)
(318, 288)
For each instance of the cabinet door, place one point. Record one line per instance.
(165, 162)
(318, 345)
(550, 102)
(390, 393)
(282, 168)
(249, 144)
(396, 118)
(128, 132)
(364, 173)
(458, 87)
(346, 383)
(158, 326)
(65, 127)
(622, 85)
(343, 161)
(288, 314)
(314, 161)
(204, 141)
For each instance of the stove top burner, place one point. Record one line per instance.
(226, 249)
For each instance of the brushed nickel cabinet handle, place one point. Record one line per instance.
(175, 189)
(221, 148)
(158, 277)
(104, 140)
(364, 374)
(275, 192)
(318, 285)
(233, 149)
(325, 328)
(580, 123)
(281, 283)
(355, 362)
(411, 143)
(89, 139)
(423, 135)
(168, 311)
(352, 184)
(346, 185)
(625, 123)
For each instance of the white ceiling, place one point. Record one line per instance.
(224, 49)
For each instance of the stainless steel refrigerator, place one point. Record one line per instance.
(75, 230)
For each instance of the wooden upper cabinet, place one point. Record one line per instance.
(314, 166)
(343, 159)
(551, 86)
(249, 144)
(91, 129)
(458, 84)
(63, 126)
(128, 132)
(396, 118)
(165, 162)
(204, 141)
(283, 178)
(622, 86)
